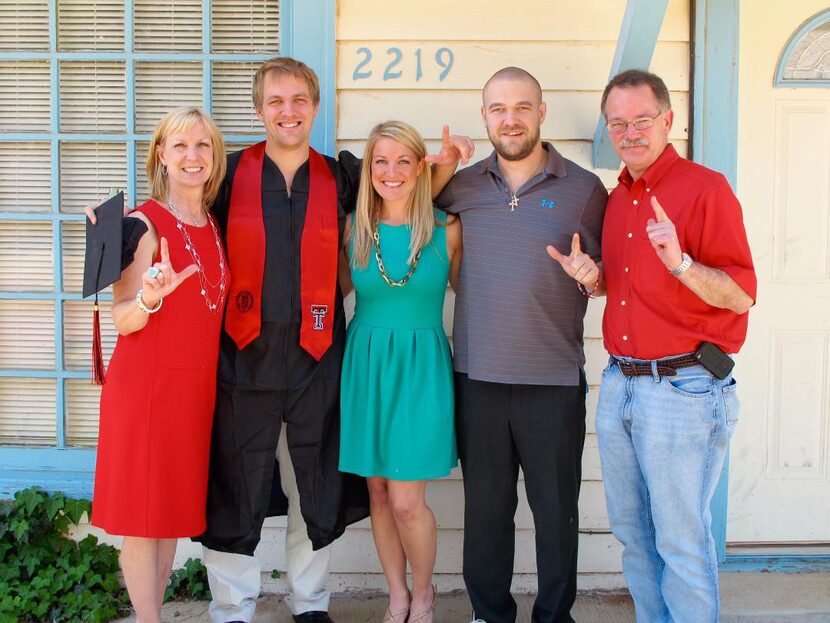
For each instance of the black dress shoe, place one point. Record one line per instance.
(313, 616)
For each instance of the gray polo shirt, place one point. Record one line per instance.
(518, 316)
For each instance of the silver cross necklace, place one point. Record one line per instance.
(513, 203)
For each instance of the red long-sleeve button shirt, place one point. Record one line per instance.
(649, 313)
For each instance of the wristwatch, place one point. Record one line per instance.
(683, 266)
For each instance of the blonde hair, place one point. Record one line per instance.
(285, 66)
(180, 120)
(420, 216)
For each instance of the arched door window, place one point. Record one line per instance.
(805, 61)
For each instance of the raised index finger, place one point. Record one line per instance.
(165, 253)
(446, 140)
(659, 212)
(576, 247)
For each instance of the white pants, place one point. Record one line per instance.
(235, 579)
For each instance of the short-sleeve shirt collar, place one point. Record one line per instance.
(655, 172)
(555, 164)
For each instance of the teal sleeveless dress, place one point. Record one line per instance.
(397, 385)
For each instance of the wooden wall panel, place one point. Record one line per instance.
(522, 20)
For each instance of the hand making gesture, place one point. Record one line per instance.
(454, 149)
(578, 265)
(663, 237)
(160, 279)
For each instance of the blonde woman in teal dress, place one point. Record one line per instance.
(397, 387)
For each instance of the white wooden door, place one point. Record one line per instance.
(779, 487)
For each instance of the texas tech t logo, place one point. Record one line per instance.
(319, 312)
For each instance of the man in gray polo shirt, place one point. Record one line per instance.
(520, 386)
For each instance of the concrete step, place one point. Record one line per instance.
(449, 608)
(745, 597)
(775, 597)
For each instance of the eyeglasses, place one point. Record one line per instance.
(618, 126)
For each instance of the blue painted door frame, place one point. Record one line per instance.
(715, 139)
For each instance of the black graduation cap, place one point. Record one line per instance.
(102, 267)
(102, 263)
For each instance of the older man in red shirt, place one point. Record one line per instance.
(679, 279)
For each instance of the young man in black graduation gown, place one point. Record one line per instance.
(282, 208)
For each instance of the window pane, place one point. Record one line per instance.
(26, 256)
(27, 412)
(236, 146)
(25, 26)
(233, 109)
(27, 336)
(82, 403)
(90, 25)
(171, 26)
(251, 26)
(93, 96)
(77, 333)
(88, 171)
(73, 235)
(142, 190)
(25, 96)
(161, 87)
(25, 177)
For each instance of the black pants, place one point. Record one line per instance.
(501, 427)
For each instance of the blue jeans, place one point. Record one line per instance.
(662, 442)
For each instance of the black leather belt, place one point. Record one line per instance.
(665, 367)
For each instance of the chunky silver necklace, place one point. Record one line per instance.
(389, 281)
(205, 284)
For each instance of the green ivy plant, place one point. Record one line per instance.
(189, 582)
(45, 575)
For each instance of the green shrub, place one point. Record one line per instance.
(45, 575)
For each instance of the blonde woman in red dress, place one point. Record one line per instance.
(157, 401)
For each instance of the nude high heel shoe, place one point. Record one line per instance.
(426, 616)
(401, 616)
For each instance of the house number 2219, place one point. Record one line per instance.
(444, 58)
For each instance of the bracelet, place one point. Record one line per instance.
(589, 294)
(143, 307)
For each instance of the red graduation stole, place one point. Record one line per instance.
(318, 253)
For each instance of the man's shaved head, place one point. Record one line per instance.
(514, 73)
(513, 112)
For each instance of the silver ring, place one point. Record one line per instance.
(153, 272)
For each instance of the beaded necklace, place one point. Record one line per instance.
(204, 283)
